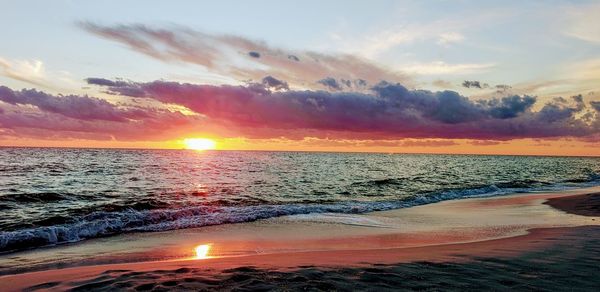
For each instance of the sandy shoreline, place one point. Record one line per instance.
(451, 231)
(547, 259)
(585, 205)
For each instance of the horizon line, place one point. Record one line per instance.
(299, 151)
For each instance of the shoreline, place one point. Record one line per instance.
(536, 239)
(455, 231)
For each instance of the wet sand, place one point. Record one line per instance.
(569, 263)
(586, 205)
(507, 242)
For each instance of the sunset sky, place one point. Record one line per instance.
(384, 76)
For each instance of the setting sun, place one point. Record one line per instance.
(202, 251)
(200, 144)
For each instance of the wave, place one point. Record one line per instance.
(346, 219)
(34, 197)
(106, 223)
(383, 182)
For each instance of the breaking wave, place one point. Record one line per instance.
(106, 223)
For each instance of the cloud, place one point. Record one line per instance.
(330, 83)
(428, 143)
(485, 142)
(583, 23)
(584, 70)
(271, 82)
(441, 68)
(29, 71)
(343, 84)
(510, 106)
(577, 76)
(34, 72)
(104, 82)
(32, 113)
(73, 106)
(474, 84)
(242, 58)
(116, 87)
(560, 109)
(387, 39)
(387, 111)
(502, 88)
(442, 84)
(405, 34)
(448, 38)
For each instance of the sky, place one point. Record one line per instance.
(481, 77)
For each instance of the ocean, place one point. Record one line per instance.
(52, 196)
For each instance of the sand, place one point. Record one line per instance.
(586, 205)
(504, 241)
(560, 266)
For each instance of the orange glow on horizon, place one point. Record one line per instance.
(200, 144)
(563, 147)
(202, 251)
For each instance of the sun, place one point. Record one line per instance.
(202, 251)
(200, 144)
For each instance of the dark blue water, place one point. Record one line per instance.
(53, 196)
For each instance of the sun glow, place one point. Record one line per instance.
(202, 251)
(200, 144)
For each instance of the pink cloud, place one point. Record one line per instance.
(216, 52)
(270, 110)
(35, 114)
(387, 111)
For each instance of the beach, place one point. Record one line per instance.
(512, 241)
(300, 146)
